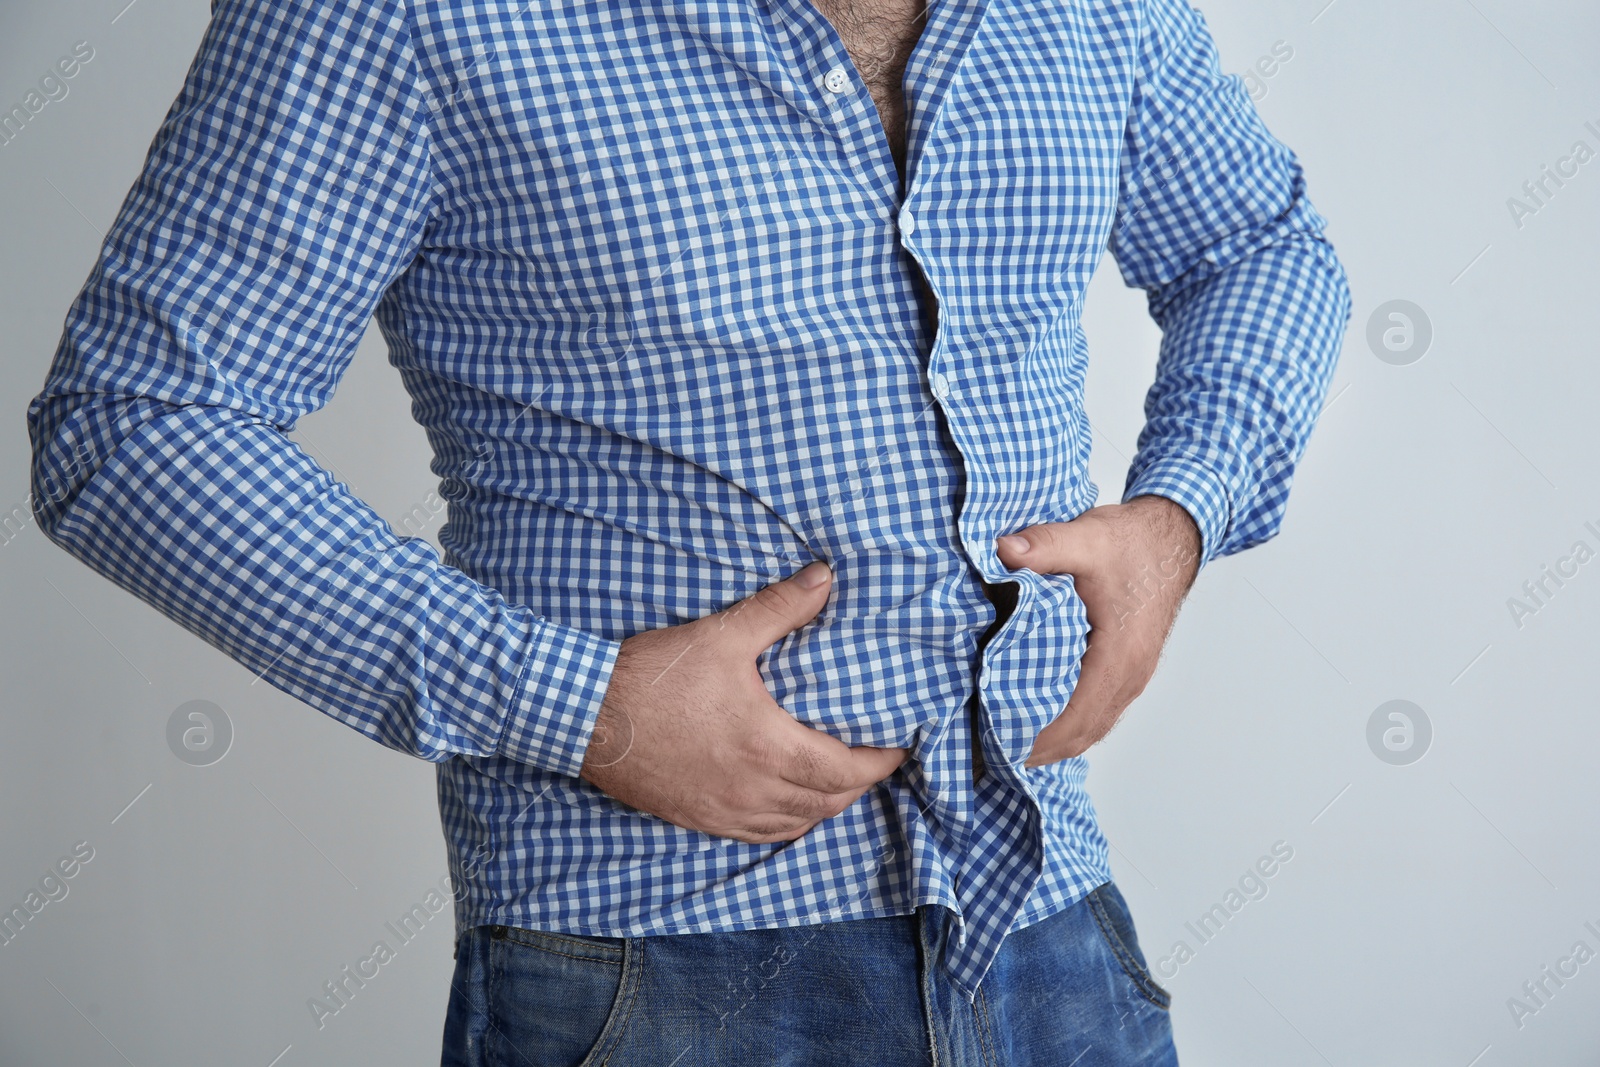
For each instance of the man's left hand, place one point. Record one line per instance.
(1132, 564)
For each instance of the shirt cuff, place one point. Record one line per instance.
(565, 674)
(1194, 487)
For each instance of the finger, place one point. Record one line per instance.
(811, 805)
(779, 609)
(1075, 547)
(761, 829)
(771, 830)
(817, 761)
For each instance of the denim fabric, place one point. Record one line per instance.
(1072, 989)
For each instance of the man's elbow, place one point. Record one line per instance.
(64, 457)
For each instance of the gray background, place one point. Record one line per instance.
(1419, 897)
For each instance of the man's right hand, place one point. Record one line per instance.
(689, 732)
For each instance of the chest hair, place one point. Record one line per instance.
(879, 35)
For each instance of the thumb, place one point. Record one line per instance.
(779, 609)
(1055, 547)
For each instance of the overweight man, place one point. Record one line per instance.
(774, 614)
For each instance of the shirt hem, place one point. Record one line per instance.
(496, 917)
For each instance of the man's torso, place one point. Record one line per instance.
(699, 355)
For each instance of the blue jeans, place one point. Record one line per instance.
(1071, 991)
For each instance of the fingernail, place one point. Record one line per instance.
(813, 575)
(1017, 545)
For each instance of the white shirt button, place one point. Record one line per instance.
(908, 222)
(836, 80)
(983, 678)
(939, 384)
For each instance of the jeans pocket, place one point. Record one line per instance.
(557, 1000)
(1111, 914)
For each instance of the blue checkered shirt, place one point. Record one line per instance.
(652, 279)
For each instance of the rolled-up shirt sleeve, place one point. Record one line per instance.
(1213, 222)
(288, 186)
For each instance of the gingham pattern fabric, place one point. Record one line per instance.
(653, 288)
